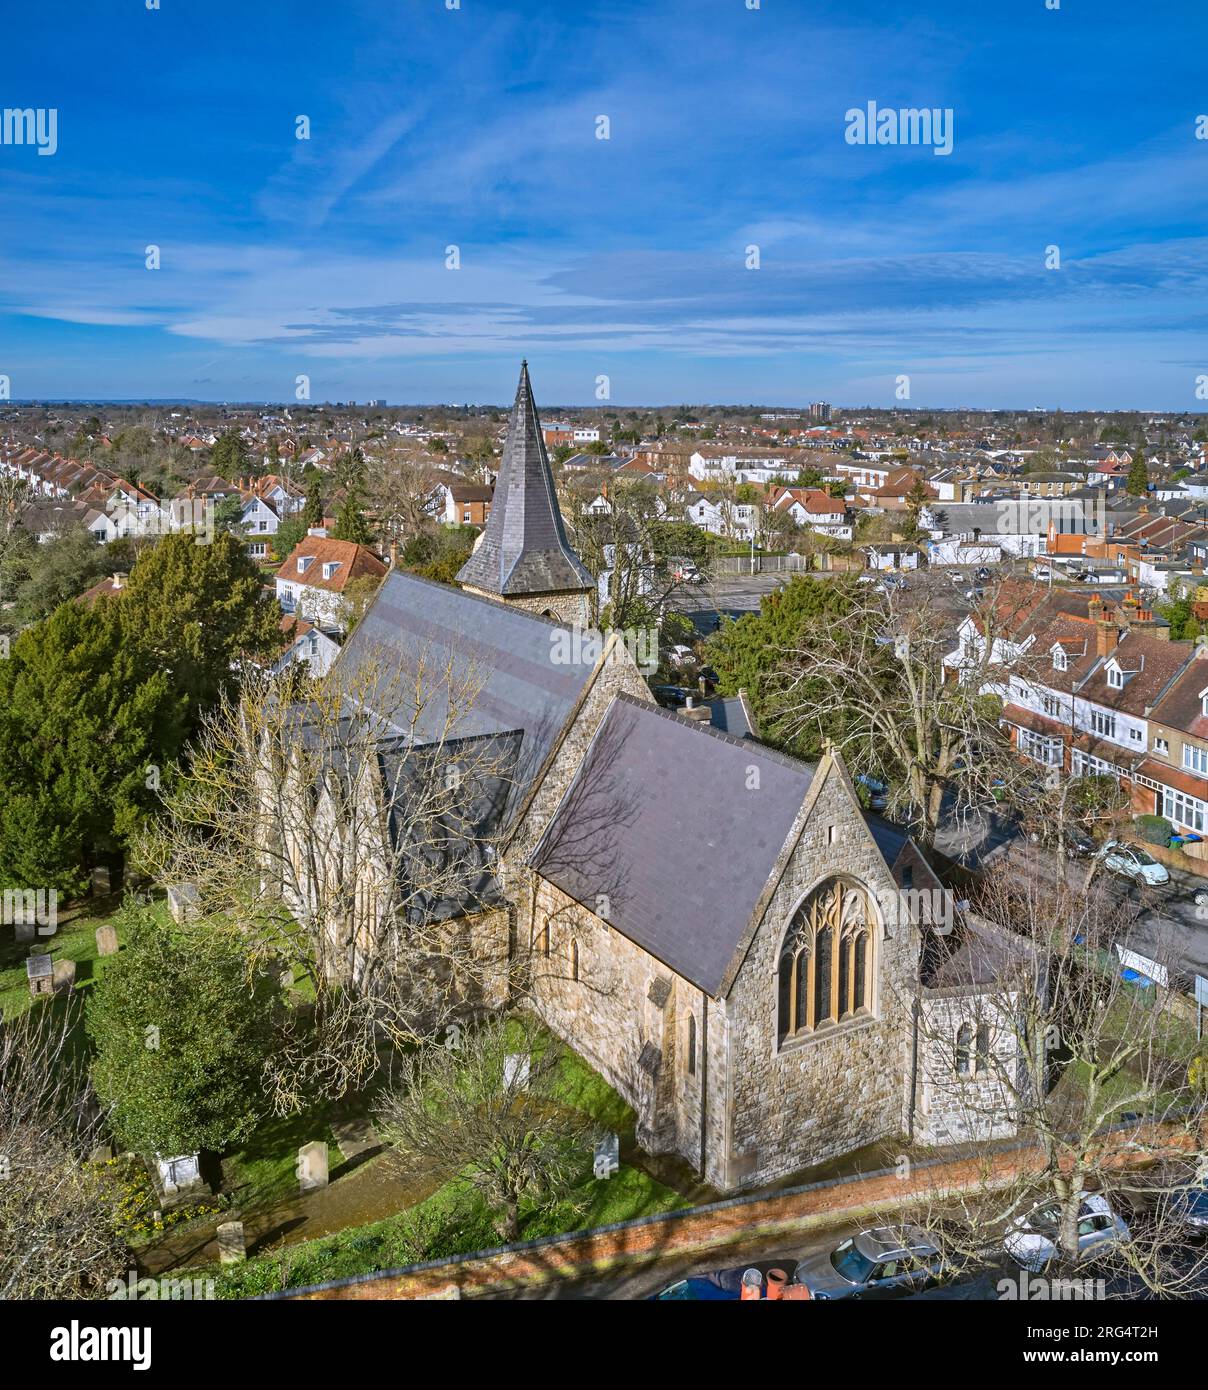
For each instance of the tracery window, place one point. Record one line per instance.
(824, 971)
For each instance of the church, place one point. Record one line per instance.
(715, 927)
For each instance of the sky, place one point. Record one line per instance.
(728, 242)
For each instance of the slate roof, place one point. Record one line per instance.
(663, 822)
(503, 664)
(524, 549)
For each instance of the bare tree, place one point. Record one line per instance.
(348, 825)
(398, 491)
(490, 1112)
(926, 723)
(1091, 1072)
(58, 1235)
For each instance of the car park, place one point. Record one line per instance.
(1032, 1240)
(886, 1262)
(1131, 861)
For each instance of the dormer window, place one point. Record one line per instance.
(330, 567)
(1060, 660)
(304, 563)
(1204, 703)
(1115, 678)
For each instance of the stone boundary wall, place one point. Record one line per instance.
(701, 1229)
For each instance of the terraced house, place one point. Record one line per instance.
(1096, 688)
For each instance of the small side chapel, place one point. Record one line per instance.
(714, 926)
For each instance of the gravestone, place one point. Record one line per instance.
(232, 1246)
(515, 1070)
(64, 976)
(100, 881)
(106, 941)
(312, 1166)
(178, 1176)
(184, 902)
(607, 1158)
(39, 970)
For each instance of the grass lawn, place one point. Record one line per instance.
(452, 1221)
(74, 939)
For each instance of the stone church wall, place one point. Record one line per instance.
(841, 1088)
(956, 1108)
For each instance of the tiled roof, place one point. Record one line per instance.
(353, 561)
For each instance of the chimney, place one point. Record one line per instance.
(320, 531)
(691, 710)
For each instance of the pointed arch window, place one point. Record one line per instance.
(983, 1047)
(824, 973)
(691, 1059)
(964, 1049)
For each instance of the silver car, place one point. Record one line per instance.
(887, 1262)
(1032, 1239)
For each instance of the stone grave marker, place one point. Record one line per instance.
(106, 941)
(64, 976)
(39, 971)
(100, 881)
(312, 1166)
(607, 1158)
(232, 1245)
(516, 1070)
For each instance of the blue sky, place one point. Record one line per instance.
(625, 257)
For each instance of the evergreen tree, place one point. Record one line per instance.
(350, 522)
(1138, 475)
(312, 510)
(194, 610)
(88, 727)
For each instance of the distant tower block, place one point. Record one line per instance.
(523, 557)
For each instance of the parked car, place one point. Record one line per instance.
(684, 571)
(1131, 861)
(1187, 1208)
(680, 654)
(982, 574)
(956, 577)
(1073, 842)
(670, 696)
(878, 792)
(718, 1286)
(885, 1262)
(975, 593)
(1031, 1240)
(868, 579)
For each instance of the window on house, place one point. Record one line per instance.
(1136, 735)
(1103, 724)
(1115, 678)
(1184, 811)
(1050, 705)
(691, 1055)
(824, 973)
(983, 1047)
(1161, 745)
(1204, 704)
(964, 1049)
(1195, 759)
(304, 563)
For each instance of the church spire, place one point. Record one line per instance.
(524, 554)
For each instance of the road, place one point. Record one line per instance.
(1167, 925)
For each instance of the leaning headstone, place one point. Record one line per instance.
(64, 976)
(100, 881)
(607, 1158)
(184, 902)
(312, 1166)
(39, 971)
(232, 1246)
(106, 941)
(179, 1174)
(516, 1070)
